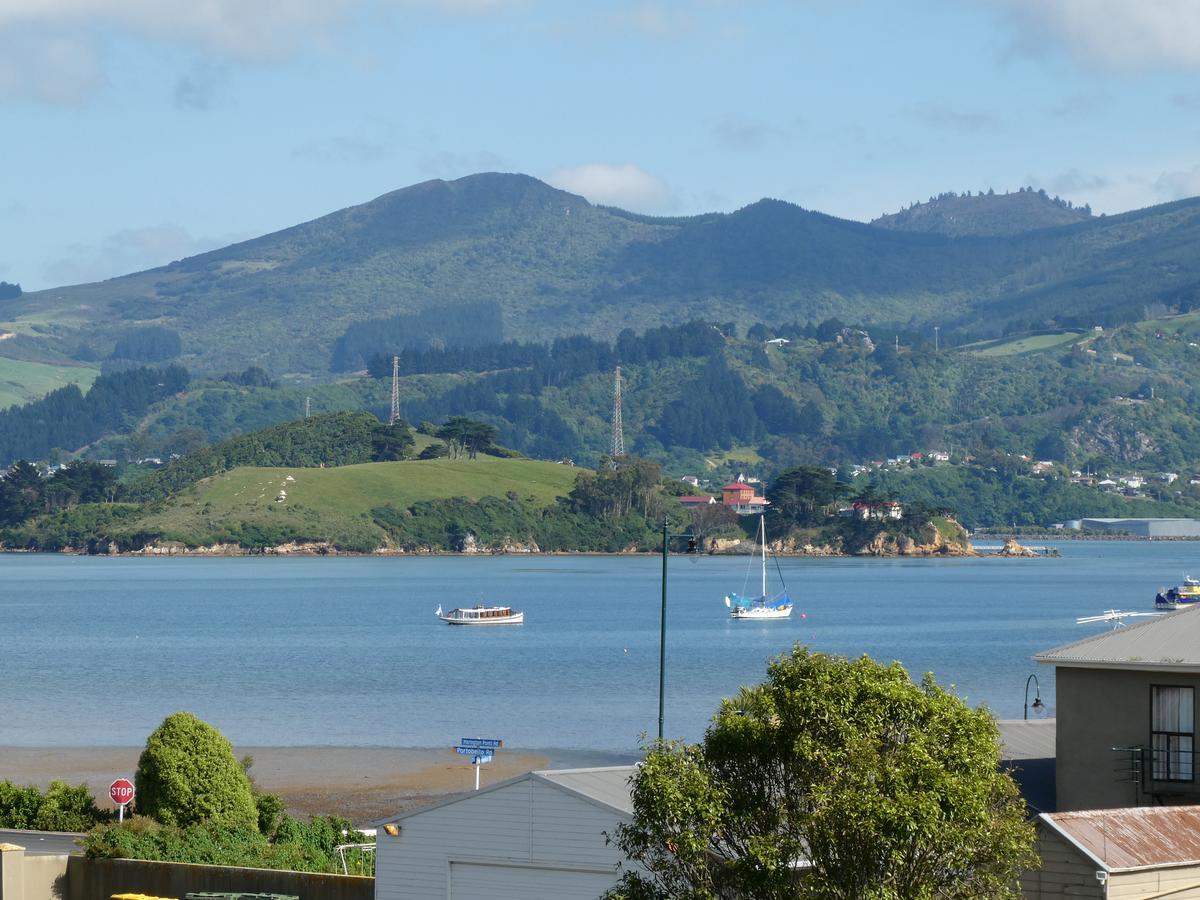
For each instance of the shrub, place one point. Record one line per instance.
(188, 775)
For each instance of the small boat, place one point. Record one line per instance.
(481, 615)
(762, 606)
(1180, 596)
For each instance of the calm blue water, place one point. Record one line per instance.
(346, 651)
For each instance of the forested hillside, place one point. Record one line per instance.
(493, 258)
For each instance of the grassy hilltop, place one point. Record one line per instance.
(336, 504)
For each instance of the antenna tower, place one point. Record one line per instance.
(618, 431)
(395, 416)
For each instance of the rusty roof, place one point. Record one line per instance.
(1134, 838)
(1170, 642)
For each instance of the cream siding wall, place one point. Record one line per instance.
(1177, 884)
(525, 822)
(1064, 872)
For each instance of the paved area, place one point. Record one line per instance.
(41, 843)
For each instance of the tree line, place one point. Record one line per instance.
(67, 419)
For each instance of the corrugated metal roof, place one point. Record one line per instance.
(1168, 642)
(1133, 838)
(608, 785)
(1033, 739)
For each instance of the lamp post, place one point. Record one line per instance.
(1037, 697)
(662, 622)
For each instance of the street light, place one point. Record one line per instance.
(1037, 697)
(662, 623)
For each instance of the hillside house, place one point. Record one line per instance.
(539, 835)
(691, 501)
(1126, 714)
(741, 497)
(878, 510)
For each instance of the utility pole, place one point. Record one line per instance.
(936, 329)
(395, 414)
(307, 407)
(618, 430)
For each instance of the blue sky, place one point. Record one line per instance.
(140, 131)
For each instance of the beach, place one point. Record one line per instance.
(363, 784)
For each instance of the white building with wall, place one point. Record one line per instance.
(540, 835)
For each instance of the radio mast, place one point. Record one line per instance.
(618, 432)
(395, 416)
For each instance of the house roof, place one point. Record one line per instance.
(606, 786)
(1027, 739)
(697, 498)
(738, 486)
(1164, 643)
(1133, 838)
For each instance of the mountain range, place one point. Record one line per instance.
(548, 263)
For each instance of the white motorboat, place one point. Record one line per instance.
(481, 615)
(762, 606)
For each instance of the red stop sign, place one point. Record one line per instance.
(121, 791)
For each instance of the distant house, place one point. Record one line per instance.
(1041, 467)
(878, 510)
(939, 455)
(1168, 477)
(693, 500)
(778, 342)
(740, 496)
(691, 479)
(1126, 714)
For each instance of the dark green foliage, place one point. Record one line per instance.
(462, 435)
(298, 846)
(9, 291)
(188, 775)
(62, 807)
(804, 495)
(990, 214)
(153, 343)
(66, 418)
(252, 376)
(466, 325)
(715, 410)
(332, 439)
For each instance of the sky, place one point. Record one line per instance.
(136, 132)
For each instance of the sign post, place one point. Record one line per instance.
(121, 793)
(480, 750)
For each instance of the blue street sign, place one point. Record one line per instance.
(484, 743)
(480, 760)
(467, 751)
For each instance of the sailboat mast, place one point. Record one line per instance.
(762, 524)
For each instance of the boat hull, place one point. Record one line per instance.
(756, 613)
(514, 619)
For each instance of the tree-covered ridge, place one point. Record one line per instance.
(67, 419)
(556, 265)
(985, 213)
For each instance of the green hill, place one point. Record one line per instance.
(497, 256)
(267, 506)
(960, 215)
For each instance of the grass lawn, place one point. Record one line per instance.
(1027, 344)
(334, 504)
(22, 381)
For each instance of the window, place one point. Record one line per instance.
(1171, 732)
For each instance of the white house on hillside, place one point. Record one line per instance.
(540, 835)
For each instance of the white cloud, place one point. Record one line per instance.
(50, 49)
(1179, 184)
(129, 250)
(1112, 33)
(937, 115)
(58, 68)
(627, 186)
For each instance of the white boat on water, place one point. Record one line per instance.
(762, 606)
(481, 615)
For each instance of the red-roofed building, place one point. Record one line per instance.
(879, 510)
(740, 497)
(693, 500)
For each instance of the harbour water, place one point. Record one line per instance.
(347, 652)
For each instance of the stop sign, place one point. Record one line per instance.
(121, 791)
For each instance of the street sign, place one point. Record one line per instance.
(485, 743)
(121, 791)
(467, 751)
(482, 758)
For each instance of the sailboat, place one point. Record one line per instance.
(762, 606)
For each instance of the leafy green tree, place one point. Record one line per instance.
(188, 774)
(804, 495)
(835, 778)
(391, 442)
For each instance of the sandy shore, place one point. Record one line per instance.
(361, 783)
